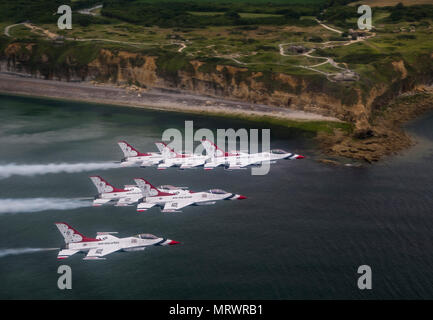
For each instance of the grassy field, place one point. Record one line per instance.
(242, 14)
(256, 47)
(386, 3)
(251, 2)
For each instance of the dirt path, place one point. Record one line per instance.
(327, 27)
(8, 28)
(88, 11)
(52, 36)
(328, 60)
(182, 46)
(48, 33)
(330, 44)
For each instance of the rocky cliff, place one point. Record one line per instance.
(354, 102)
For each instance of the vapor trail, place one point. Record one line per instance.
(9, 170)
(11, 252)
(40, 204)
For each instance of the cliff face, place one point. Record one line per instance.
(348, 101)
(218, 80)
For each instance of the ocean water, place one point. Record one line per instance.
(302, 233)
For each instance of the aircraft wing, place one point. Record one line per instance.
(100, 202)
(147, 164)
(144, 206)
(238, 165)
(252, 162)
(212, 164)
(192, 164)
(98, 253)
(66, 253)
(189, 165)
(128, 163)
(164, 165)
(175, 205)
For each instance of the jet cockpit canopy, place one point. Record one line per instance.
(278, 151)
(217, 191)
(147, 236)
(170, 187)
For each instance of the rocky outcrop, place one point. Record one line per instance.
(351, 102)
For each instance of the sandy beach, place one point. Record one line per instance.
(161, 99)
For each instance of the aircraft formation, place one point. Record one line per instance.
(215, 157)
(168, 198)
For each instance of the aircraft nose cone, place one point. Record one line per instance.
(241, 197)
(300, 157)
(172, 242)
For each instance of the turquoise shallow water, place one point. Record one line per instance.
(302, 233)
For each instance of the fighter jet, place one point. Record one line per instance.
(133, 157)
(173, 201)
(104, 243)
(108, 194)
(172, 158)
(239, 160)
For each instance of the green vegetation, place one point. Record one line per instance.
(313, 127)
(196, 14)
(345, 16)
(257, 37)
(38, 11)
(410, 13)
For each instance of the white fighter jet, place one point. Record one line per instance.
(239, 160)
(120, 197)
(172, 158)
(133, 157)
(104, 243)
(172, 201)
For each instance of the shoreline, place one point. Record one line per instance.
(152, 99)
(334, 137)
(389, 135)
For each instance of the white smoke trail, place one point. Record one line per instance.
(11, 252)
(40, 204)
(9, 170)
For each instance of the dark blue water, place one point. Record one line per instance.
(302, 233)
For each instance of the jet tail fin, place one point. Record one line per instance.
(148, 189)
(129, 151)
(165, 150)
(214, 151)
(211, 148)
(70, 234)
(103, 186)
